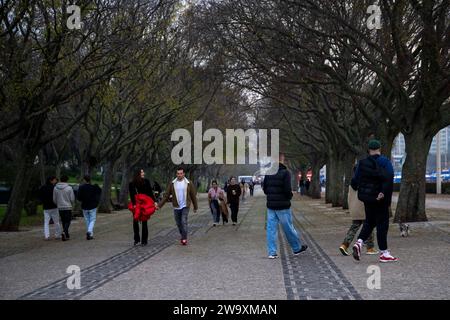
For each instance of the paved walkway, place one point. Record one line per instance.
(223, 262)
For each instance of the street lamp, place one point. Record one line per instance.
(438, 163)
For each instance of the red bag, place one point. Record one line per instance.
(144, 208)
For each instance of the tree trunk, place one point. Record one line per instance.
(327, 182)
(16, 202)
(315, 189)
(349, 161)
(336, 181)
(105, 198)
(123, 196)
(411, 201)
(42, 166)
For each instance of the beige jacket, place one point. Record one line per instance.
(355, 206)
(190, 195)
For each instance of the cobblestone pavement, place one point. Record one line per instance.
(103, 272)
(224, 262)
(313, 275)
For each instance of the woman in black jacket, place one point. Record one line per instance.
(140, 185)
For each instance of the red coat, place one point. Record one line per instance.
(144, 208)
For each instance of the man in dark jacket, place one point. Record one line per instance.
(50, 209)
(279, 194)
(374, 177)
(89, 196)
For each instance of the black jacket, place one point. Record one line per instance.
(372, 176)
(89, 195)
(278, 189)
(46, 196)
(146, 188)
(233, 198)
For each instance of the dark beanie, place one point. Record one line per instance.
(374, 145)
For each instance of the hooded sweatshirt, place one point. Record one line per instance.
(63, 196)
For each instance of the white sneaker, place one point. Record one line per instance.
(274, 256)
(387, 257)
(357, 251)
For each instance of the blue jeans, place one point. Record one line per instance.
(285, 218)
(181, 219)
(89, 217)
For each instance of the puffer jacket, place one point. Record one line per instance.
(278, 189)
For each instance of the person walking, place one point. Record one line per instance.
(183, 195)
(242, 185)
(374, 177)
(302, 186)
(251, 186)
(157, 190)
(357, 214)
(64, 198)
(89, 196)
(50, 208)
(214, 195)
(233, 195)
(278, 189)
(140, 186)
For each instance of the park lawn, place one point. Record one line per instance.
(26, 221)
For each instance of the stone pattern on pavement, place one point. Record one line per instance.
(313, 275)
(99, 274)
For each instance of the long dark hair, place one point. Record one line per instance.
(137, 179)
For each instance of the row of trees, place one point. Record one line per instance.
(109, 95)
(334, 83)
(105, 96)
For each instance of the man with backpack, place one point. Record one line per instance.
(89, 196)
(374, 177)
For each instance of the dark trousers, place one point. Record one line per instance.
(234, 211)
(66, 218)
(181, 219)
(137, 238)
(377, 215)
(251, 192)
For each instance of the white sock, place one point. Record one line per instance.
(385, 252)
(360, 242)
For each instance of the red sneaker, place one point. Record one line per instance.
(184, 242)
(386, 257)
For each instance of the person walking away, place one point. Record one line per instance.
(279, 194)
(251, 186)
(374, 177)
(233, 195)
(89, 196)
(357, 214)
(50, 208)
(140, 185)
(183, 195)
(302, 186)
(214, 194)
(64, 198)
(307, 184)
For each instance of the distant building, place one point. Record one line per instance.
(398, 151)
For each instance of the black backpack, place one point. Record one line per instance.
(370, 180)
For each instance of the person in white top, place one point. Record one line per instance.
(183, 194)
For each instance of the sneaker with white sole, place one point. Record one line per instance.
(387, 257)
(273, 256)
(357, 251)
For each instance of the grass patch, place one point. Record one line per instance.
(26, 221)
